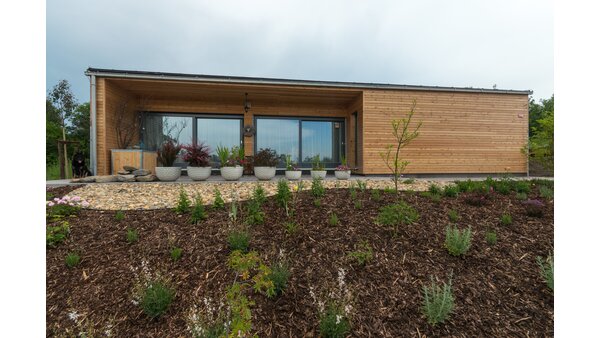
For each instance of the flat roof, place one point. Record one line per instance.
(120, 73)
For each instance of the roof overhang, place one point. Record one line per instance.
(132, 74)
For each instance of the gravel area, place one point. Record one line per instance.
(147, 196)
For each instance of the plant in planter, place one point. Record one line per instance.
(342, 172)
(265, 164)
(318, 170)
(232, 161)
(166, 156)
(292, 172)
(197, 156)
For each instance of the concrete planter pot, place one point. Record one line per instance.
(168, 173)
(199, 173)
(318, 173)
(232, 173)
(293, 175)
(264, 173)
(342, 174)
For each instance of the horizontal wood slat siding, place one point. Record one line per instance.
(461, 132)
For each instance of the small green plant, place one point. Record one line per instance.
(363, 253)
(438, 301)
(218, 203)
(436, 198)
(132, 236)
(283, 195)
(434, 189)
(547, 270)
(290, 227)
(198, 212)
(317, 202)
(362, 185)
(397, 214)
(176, 253)
(521, 196)
(317, 189)
(233, 211)
(451, 190)
(183, 203)
(156, 298)
(490, 237)
(255, 214)
(333, 219)
(358, 204)
(56, 234)
(317, 165)
(376, 195)
(352, 190)
(72, 259)
(546, 192)
(453, 216)
(119, 215)
(458, 241)
(259, 194)
(238, 240)
(280, 274)
(241, 315)
(506, 219)
(388, 190)
(333, 323)
(409, 181)
(522, 186)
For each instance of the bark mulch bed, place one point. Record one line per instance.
(498, 289)
(52, 192)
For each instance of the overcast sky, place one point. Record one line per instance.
(438, 43)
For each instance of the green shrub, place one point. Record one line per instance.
(547, 270)
(132, 236)
(333, 323)
(522, 186)
(218, 203)
(183, 203)
(57, 234)
(62, 210)
(451, 191)
(458, 241)
(396, 214)
(363, 253)
(317, 189)
(352, 192)
(198, 213)
(72, 259)
(290, 227)
(506, 219)
(176, 254)
(521, 196)
(453, 216)
(333, 219)
(388, 190)
(434, 189)
(358, 204)
(241, 315)
(409, 181)
(156, 298)
(376, 195)
(436, 198)
(283, 195)
(238, 240)
(317, 202)
(503, 186)
(438, 301)
(255, 214)
(259, 194)
(362, 185)
(280, 274)
(546, 192)
(490, 237)
(466, 186)
(119, 215)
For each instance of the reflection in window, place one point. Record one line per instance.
(158, 128)
(215, 132)
(317, 139)
(281, 135)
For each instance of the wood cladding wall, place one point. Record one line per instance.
(461, 132)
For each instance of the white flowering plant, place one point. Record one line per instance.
(65, 206)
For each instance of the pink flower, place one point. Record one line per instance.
(85, 204)
(50, 204)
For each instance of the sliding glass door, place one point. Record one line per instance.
(302, 138)
(212, 130)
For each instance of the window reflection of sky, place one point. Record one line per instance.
(317, 139)
(219, 132)
(279, 135)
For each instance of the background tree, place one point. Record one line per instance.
(537, 110)
(79, 130)
(53, 133)
(540, 148)
(403, 136)
(64, 102)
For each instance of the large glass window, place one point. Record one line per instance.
(216, 132)
(280, 135)
(160, 128)
(302, 138)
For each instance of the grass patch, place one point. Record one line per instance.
(72, 259)
(132, 236)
